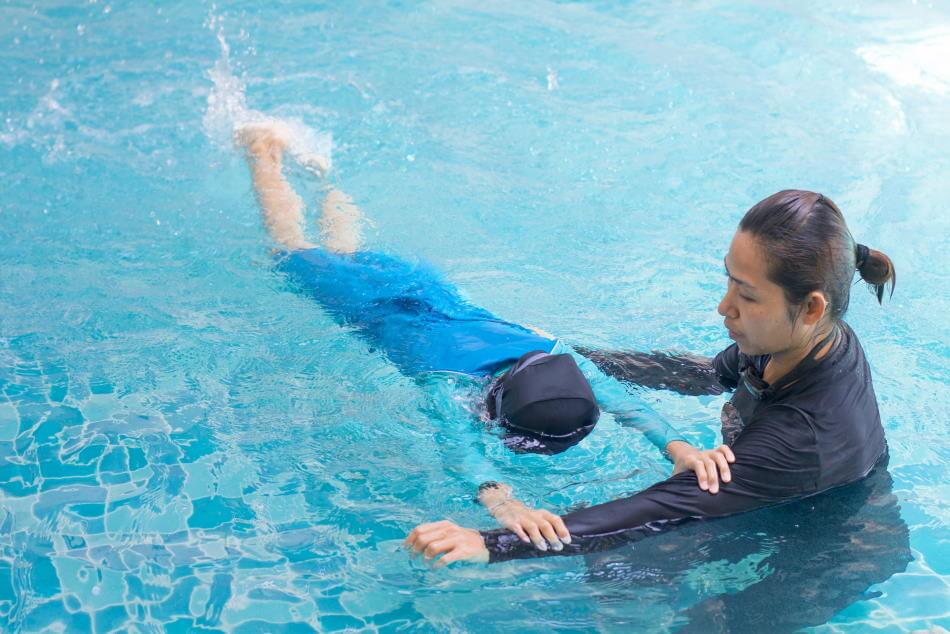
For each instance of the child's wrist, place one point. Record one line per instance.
(493, 495)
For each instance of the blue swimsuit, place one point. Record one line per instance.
(409, 312)
(422, 324)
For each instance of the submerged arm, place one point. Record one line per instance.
(684, 374)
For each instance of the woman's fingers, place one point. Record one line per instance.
(460, 551)
(726, 451)
(712, 476)
(422, 529)
(712, 467)
(540, 527)
(699, 468)
(723, 464)
(517, 530)
(532, 529)
(456, 554)
(424, 534)
(549, 534)
(423, 542)
(438, 547)
(412, 537)
(559, 527)
(449, 540)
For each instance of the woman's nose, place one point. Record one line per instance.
(726, 308)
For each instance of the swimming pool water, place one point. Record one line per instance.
(188, 445)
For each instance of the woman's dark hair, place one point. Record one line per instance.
(808, 248)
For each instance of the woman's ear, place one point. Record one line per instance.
(816, 304)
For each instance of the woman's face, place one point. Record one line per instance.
(755, 310)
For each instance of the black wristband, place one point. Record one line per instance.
(484, 486)
(490, 484)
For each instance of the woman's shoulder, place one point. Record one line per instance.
(836, 394)
(844, 364)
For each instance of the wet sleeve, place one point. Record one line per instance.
(726, 366)
(776, 460)
(476, 468)
(462, 444)
(685, 374)
(629, 409)
(465, 454)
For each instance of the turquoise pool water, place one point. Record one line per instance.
(186, 444)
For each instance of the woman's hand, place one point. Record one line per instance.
(450, 540)
(534, 525)
(531, 525)
(710, 466)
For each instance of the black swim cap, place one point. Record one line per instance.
(545, 403)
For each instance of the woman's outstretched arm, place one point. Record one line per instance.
(776, 460)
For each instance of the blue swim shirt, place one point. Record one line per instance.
(409, 312)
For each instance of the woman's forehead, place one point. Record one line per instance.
(746, 261)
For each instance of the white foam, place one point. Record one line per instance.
(917, 60)
(227, 112)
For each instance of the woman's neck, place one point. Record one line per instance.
(781, 363)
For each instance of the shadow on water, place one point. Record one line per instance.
(777, 569)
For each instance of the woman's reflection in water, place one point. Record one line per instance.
(806, 561)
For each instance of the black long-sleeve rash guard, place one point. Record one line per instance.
(816, 428)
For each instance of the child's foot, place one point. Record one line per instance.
(266, 139)
(316, 163)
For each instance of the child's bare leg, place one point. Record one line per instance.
(281, 207)
(340, 223)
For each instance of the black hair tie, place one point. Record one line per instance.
(861, 253)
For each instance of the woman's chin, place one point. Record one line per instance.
(745, 348)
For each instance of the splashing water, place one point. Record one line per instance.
(227, 113)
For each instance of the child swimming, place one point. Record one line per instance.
(544, 395)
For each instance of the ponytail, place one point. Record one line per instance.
(876, 269)
(808, 247)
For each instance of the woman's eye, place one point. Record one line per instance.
(748, 299)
